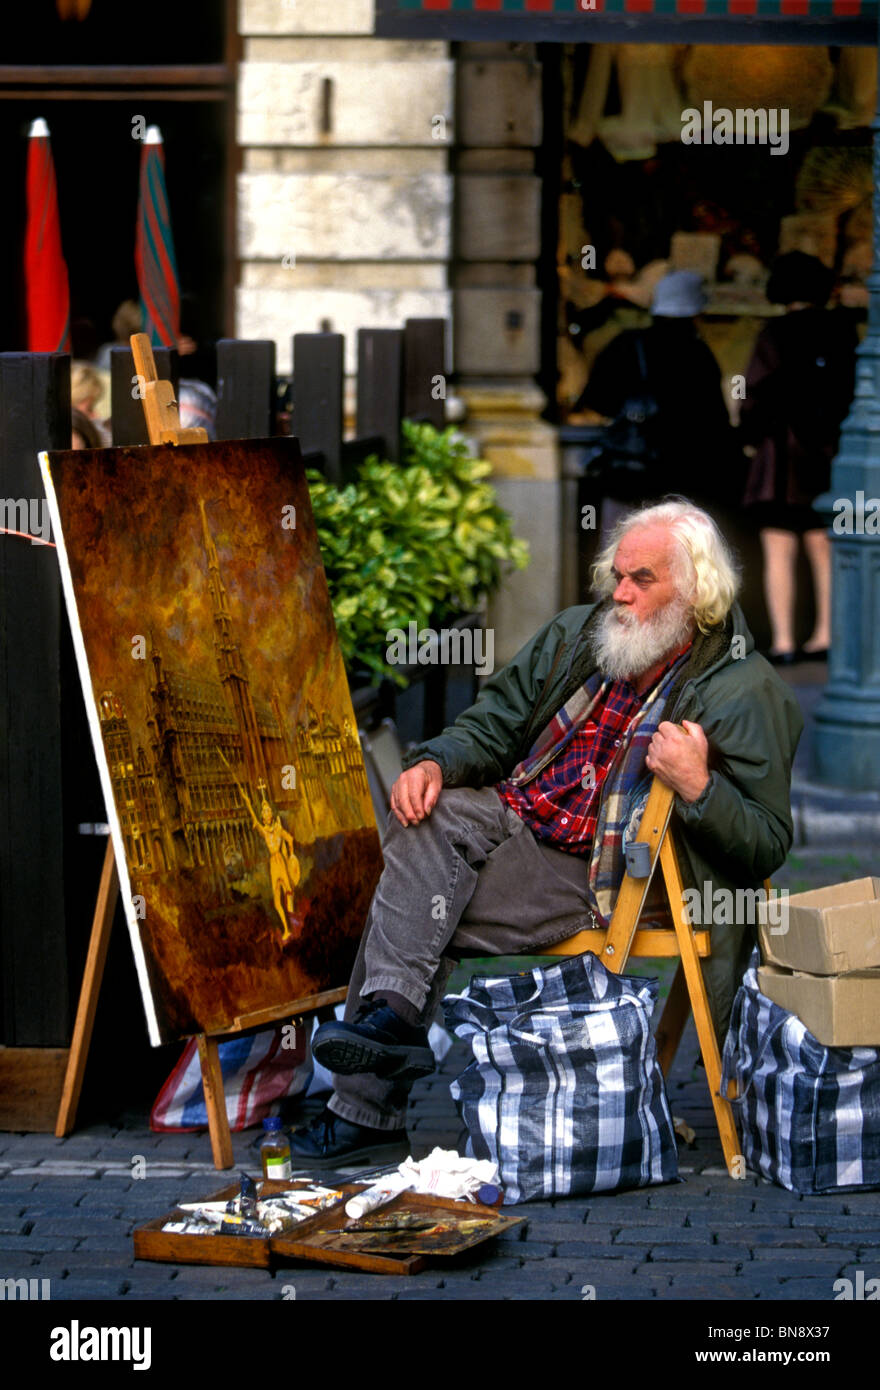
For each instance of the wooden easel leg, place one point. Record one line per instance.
(215, 1102)
(696, 988)
(672, 1020)
(99, 940)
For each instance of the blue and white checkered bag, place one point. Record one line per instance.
(564, 1092)
(810, 1114)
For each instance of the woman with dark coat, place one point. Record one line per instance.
(799, 385)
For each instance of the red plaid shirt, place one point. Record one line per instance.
(561, 804)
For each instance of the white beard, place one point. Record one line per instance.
(624, 648)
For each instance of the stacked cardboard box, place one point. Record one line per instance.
(822, 962)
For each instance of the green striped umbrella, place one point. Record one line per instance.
(154, 248)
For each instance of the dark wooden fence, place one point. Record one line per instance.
(50, 797)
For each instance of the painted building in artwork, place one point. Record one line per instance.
(137, 812)
(208, 742)
(192, 730)
(324, 752)
(183, 811)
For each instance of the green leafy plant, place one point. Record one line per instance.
(423, 541)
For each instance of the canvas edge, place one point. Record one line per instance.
(85, 677)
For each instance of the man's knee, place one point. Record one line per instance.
(454, 805)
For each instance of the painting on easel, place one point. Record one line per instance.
(243, 828)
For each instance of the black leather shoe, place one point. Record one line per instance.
(331, 1142)
(377, 1041)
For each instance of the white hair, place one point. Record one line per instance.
(706, 573)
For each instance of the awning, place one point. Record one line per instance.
(656, 21)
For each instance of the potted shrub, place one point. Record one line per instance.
(424, 541)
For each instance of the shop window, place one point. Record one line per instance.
(637, 199)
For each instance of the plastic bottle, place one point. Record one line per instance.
(275, 1149)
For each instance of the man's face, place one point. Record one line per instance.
(650, 619)
(643, 571)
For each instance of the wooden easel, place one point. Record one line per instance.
(163, 424)
(625, 937)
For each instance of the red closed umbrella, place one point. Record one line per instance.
(154, 248)
(47, 289)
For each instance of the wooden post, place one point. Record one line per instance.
(129, 422)
(380, 387)
(424, 366)
(245, 389)
(34, 997)
(318, 375)
(435, 700)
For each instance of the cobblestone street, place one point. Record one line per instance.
(68, 1207)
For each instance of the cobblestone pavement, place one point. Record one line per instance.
(68, 1207)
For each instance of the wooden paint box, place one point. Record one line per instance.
(321, 1238)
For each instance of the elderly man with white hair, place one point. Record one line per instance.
(507, 829)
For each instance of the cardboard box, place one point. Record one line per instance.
(831, 931)
(839, 1010)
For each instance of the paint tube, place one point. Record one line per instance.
(247, 1204)
(373, 1197)
(241, 1226)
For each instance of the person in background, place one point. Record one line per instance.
(86, 388)
(127, 320)
(196, 397)
(691, 434)
(90, 396)
(197, 405)
(799, 384)
(85, 433)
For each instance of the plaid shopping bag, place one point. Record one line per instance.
(810, 1114)
(564, 1092)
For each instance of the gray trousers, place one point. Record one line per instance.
(471, 878)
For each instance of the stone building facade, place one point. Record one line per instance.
(383, 179)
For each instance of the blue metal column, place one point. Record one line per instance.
(847, 738)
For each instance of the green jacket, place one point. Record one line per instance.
(740, 830)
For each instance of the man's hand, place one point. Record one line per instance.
(680, 759)
(415, 792)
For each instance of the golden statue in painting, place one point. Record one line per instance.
(283, 863)
(284, 868)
